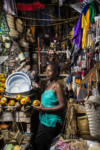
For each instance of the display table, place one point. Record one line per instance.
(17, 116)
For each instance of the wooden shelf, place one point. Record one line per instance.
(61, 75)
(18, 116)
(93, 70)
(47, 51)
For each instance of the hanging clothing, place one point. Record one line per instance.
(77, 33)
(9, 6)
(85, 25)
(87, 18)
(92, 12)
(30, 5)
(77, 29)
(75, 53)
(87, 13)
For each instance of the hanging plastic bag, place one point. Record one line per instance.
(9, 6)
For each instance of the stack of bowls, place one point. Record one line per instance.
(10, 21)
(18, 82)
(19, 25)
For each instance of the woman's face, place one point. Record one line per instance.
(49, 72)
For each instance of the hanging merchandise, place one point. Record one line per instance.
(90, 38)
(30, 5)
(77, 33)
(4, 29)
(61, 2)
(9, 6)
(80, 38)
(86, 17)
(10, 20)
(19, 25)
(97, 20)
(45, 16)
(85, 26)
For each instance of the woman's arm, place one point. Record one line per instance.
(61, 100)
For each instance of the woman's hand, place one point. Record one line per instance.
(39, 108)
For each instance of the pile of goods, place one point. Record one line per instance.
(2, 85)
(10, 102)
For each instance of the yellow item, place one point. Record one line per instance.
(36, 103)
(32, 29)
(23, 101)
(85, 25)
(17, 147)
(2, 75)
(77, 81)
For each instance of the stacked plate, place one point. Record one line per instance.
(18, 82)
(10, 21)
(19, 25)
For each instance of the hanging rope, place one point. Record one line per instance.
(48, 14)
(43, 19)
(69, 20)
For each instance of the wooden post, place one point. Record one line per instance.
(39, 55)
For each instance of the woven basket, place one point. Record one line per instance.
(83, 125)
(93, 112)
(83, 128)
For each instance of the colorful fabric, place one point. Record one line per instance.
(85, 25)
(30, 5)
(49, 99)
(92, 12)
(77, 33)
(86, 17)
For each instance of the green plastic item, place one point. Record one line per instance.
(4, 51)
(9, 147)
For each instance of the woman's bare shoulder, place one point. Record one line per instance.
(59, 85)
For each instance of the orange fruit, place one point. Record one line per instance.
(36, 103)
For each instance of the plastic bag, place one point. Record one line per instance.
(60, 144)
(9, 6)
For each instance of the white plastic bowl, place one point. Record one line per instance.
(18, 80)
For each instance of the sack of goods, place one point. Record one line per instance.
(93, 112)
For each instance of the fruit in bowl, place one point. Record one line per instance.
(36, 103)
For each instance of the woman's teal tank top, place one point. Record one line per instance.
(49, 99)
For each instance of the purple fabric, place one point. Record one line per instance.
(77, 33)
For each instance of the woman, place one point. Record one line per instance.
(51, 110)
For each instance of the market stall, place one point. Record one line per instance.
(32, 35)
